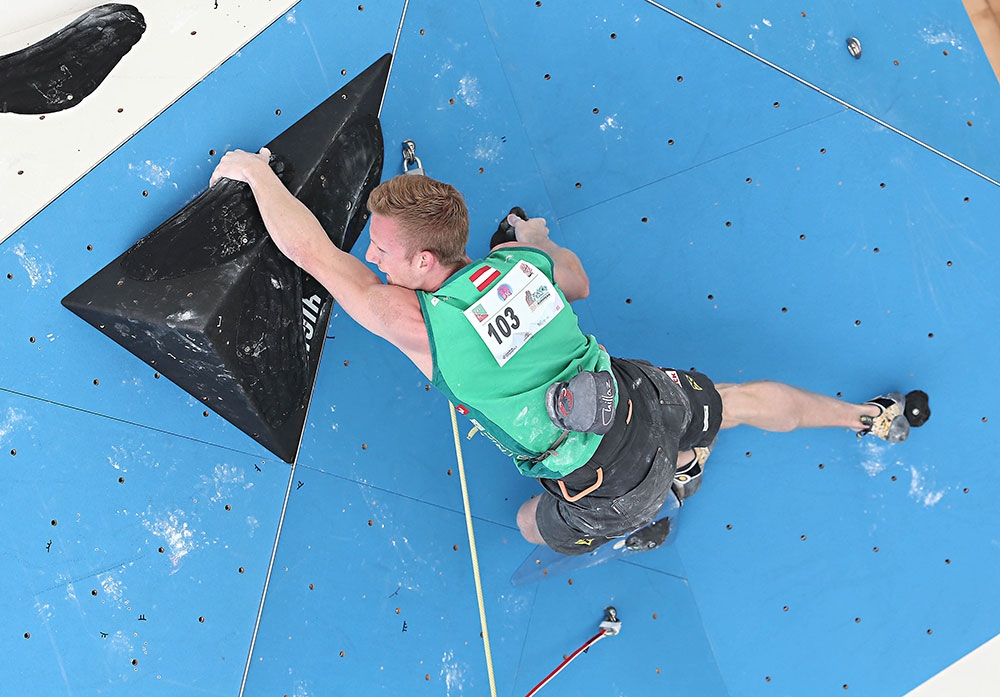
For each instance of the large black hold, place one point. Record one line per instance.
(209, 301)
(62, 69)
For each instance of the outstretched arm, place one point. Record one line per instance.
(568, 268)
(391, 312)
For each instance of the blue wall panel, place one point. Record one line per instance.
(922, 69)
(632, 96)
(810, 222)
(133, 561)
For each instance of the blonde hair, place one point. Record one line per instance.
(431, 215)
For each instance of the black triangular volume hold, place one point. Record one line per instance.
(208, 300)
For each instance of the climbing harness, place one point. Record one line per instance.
(609, 627)
(589, 490)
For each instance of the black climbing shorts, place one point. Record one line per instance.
(672, 410)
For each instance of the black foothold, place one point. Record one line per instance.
(649, 537)
(854, 46)
(917, 409)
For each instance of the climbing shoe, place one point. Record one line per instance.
(898, 414)
(687, 478)
(890, 424)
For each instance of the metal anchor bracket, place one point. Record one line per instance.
(854, 46)
(611, 624)
(410, 159)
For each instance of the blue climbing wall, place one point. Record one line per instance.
(748, 199)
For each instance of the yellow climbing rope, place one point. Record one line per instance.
(472, 550)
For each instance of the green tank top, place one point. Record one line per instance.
(500, 333)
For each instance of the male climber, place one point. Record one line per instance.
(607, 438)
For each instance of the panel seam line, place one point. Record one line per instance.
(267, 580)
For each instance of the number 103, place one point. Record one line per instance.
(500, 328)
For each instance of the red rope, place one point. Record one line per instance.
(590, 642)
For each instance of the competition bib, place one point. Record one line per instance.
(516, 309)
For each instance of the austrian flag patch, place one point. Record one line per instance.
(482, 278)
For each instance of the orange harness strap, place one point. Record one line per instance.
(588, 490)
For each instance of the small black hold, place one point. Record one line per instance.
(917, 409)
(649, 537)
(505, 231)
(854, 46)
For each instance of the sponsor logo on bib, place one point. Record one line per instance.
(536, 297)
